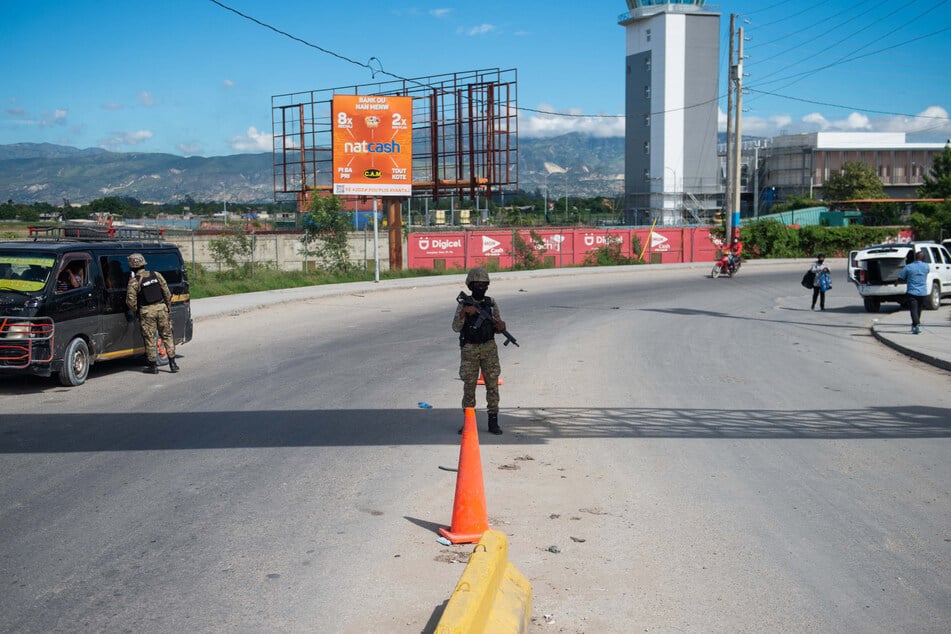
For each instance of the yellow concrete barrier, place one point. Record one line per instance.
(491, 596)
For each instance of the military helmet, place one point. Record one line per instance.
(136, 261)
(477, 274)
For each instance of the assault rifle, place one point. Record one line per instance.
(484, 314)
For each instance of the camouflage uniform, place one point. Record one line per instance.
(153, 318)
(479, 353)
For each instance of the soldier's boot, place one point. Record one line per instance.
(151, 368)
(494, 423)
(172, 366)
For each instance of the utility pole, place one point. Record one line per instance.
(728, 183)
(738, 131)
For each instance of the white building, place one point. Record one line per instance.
(672, 66)
(799, 164)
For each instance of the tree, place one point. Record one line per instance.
(854, 181)
(326, 227)
(229, 247)
(938, 182)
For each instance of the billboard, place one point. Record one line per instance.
(372, 145)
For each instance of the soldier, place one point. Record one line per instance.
(148, 293)
(477, 340)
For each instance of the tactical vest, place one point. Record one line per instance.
(485, 331)
(150, 291)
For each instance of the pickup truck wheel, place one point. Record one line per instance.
(75, 363)
(934, 298)
(872, 305)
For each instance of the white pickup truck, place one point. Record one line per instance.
(874, 271)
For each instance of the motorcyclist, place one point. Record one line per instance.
(734, 251)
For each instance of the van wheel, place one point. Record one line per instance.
(934, 299)
(872, 305)
(75, 363)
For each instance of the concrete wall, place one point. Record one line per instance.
(284, 250)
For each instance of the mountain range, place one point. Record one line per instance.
(43, 172)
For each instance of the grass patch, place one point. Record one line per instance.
(214, 284)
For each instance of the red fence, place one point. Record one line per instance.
(559, 246)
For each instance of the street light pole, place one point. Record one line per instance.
(566, 195)
(547, 174)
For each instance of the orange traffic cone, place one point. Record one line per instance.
(469, 517)
(481, 380)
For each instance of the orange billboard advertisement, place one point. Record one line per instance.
(372, 145)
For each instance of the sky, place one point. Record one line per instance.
(195, 78)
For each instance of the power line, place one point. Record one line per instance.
(606, 116)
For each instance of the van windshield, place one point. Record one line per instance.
(20, 271)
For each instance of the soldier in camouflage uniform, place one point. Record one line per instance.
(148, 294)
(479, 352)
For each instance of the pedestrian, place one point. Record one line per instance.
(477, 319)
(148, 295)
(915, 276)
(821, 281)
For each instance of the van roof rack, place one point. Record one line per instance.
(81, 232)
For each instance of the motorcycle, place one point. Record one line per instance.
(725, 266)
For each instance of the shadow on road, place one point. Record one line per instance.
(58, 433)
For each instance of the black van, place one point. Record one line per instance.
(62, 303)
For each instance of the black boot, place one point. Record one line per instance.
(151, 368)
(494, 423)
(172, 366)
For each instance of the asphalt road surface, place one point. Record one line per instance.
(703, 455)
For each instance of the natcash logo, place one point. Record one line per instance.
(372, 173)
(366, 147)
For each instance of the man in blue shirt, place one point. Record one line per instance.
(915, 275)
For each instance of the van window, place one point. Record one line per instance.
(73, 273)
(168, 264)
(25, 271)
(115, 277)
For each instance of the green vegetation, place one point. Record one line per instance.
(772, 239)
(854, 181)
(932, 221)
(213, 283)
(325, 234)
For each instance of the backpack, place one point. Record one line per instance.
(808, 279)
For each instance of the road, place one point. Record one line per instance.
(704, 455)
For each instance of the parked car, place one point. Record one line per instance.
(874, 271)
(62, 303)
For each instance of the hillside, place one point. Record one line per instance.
(42, 172)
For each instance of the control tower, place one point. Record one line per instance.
(671, 169)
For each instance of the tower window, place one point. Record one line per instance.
(647, 174)
(647, 147)
(647, 92)
(647, 64)
(647, 120)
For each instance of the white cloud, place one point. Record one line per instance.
(253, 141)
(228, 83)
(482, 29)
(540, 125)
(112, 106)
(189, 149)
(146, 98)
(120, 139)
(932, 122)
(440, 13)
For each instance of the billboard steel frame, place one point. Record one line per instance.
(465, 134)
